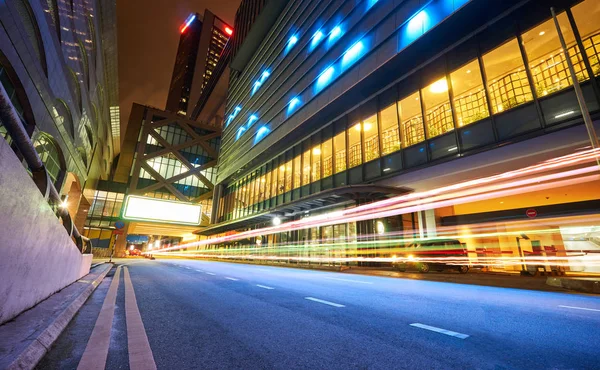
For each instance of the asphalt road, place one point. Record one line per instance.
(214, 315)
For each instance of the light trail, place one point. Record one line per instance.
(470, 191)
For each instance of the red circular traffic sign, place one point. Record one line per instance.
(531, 213)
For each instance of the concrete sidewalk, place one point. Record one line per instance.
(26, 339)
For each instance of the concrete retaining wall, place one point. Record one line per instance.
(37, 256)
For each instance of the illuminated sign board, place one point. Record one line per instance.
(160, 210)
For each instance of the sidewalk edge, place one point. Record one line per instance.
(31, 355)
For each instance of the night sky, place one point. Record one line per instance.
(148, 32)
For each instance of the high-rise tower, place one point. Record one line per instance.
(200, 46)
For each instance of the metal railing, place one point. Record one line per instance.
(11, 121)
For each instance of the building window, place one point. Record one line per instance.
(327, 154)
(316, 163)
(354, 146)
(506, 77)
(281, 180)
(438, 114)
(297, 172)
(371, 134)
(267, 185)
(586, 16)
(411, 119)
(50, 156)
(339, 142)
(12, 95)
(274, 182)
(547, 62)
(470, 101)
(390, 134)
(288, 176)
(306, 168)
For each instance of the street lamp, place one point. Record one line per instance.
(276, 221)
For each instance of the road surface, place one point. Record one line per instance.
(214, 315)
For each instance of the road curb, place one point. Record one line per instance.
(40, 345)
(585, 285)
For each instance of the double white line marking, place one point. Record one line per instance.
(96, 351)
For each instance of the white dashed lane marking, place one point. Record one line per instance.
(264, 287)
(440, 330)
(580, 308)
(230, 278)
(209, 273)
(324, 302)
(350, 281)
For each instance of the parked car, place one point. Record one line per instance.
(431, 254)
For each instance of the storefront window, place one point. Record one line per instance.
(306, 168)
(371, 134)
(297, 172)
(316, 163)
(547, 62)
(327, 155)
(288, 176)
(586, 16)
(339, 142)
(438, 114)
(470, 100)
(506, 77)
(411, 119)
(354, 147)
(390, 134)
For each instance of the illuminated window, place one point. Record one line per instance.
(281, 179)
(288, 176)
(411, 119)
(339, 142)
(586, 16)
(267, 185)
(327, 154)
(371, 134)
(50, 156)
(274, 182)
(390, 134)
(257, 189)
(547, 62)
(297, 171)
(316, 163)
(354, 146)
(438, 114)
(506, 77)
(306, 168)
(470, 100)
(261, 188)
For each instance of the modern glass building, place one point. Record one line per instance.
(201, 43)
(345, 103)
(58, 66)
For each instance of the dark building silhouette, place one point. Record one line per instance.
(200, 46)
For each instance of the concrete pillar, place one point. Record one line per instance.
(430, 224)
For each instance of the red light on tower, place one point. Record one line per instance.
(228, 31)
(187, 23)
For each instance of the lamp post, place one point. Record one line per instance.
(521, 255)
(587, 119)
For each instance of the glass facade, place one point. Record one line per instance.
(481, 91)
(48, 152)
